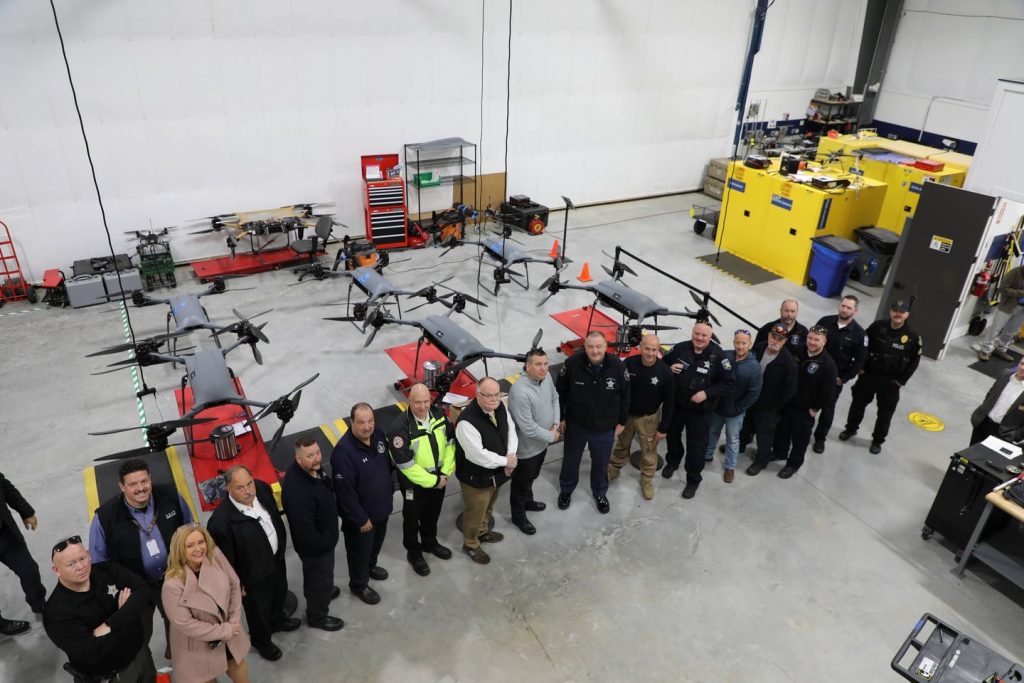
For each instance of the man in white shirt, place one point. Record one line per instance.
(1001, 413)
(485, 456)
(248, 529)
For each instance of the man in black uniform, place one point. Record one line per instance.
(593, 395)
(365, 492)
(894, 352)
(14, 553)
(778, 385)
(703, 375)
(249, 530)
(795, 332)
(816, 381)
(308, 500)
(848, 347)
(95, 615)
(652, 397)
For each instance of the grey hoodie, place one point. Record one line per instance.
(534, 409)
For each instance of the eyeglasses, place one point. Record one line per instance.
(62, 545)
(817, 329)
(489, 396)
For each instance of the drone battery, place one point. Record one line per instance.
(131, 281)
(100, 265)
(86, 290)
(519, 200)
(531, 218)
(225, 446)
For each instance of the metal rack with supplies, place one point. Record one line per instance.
(449, 161)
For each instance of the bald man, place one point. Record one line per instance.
(651, 398)
(421, 442)
(703, 376)
(796, 334)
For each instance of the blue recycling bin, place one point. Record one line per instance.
(831, 260)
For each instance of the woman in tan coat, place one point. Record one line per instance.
(203, 601)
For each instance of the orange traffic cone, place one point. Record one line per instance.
(585, 273)
(555, 253)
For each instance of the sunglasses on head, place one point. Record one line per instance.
(61, 546)
(741, 331)
(817, 329)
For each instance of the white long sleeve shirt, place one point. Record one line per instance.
(472, 445)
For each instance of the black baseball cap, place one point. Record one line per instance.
(900, 305)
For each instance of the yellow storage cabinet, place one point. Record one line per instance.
(769, 220)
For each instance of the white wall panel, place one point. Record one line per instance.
(955, 52)
(211, 106)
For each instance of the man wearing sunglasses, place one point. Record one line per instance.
(848, 346)
(95, 615)
(14, 553)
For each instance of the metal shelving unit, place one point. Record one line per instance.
(448, 161)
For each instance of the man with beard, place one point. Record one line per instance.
(848, 347)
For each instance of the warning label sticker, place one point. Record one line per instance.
(943, 244)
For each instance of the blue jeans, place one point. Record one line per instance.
(732, 438)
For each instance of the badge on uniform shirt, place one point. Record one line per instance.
(812, 367)
(865, 341)
(398, 442)
(609, 383)
(654, 381)
(111, 590)
(381, 447)
(904, 339)
(794, 339)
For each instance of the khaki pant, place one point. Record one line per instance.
(645, 429)
(479, 504)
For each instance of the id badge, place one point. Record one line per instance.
(408, 494)
(153, 547)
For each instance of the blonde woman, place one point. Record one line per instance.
(203, 601)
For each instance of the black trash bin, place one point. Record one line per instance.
(878, 246)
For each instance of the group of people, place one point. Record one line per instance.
(146, 553)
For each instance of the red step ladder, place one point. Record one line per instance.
(12, 283)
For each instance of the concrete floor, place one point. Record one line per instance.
(821, 576)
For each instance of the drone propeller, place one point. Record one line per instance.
(257, 331)
(658, 328)
(158, 427)
(143, 345)
(284, 407)
(703, 313)
(618, 267)
(466, 297)
(535, 344)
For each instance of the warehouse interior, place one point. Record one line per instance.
(609, 117)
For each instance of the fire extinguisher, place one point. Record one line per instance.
(981, 281)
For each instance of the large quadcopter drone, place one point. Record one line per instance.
(268, 224)
(460, 348)
(634, 307)
(212, 383)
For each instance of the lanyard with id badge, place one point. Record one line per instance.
(152, 547)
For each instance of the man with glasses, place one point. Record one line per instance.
(593, 393)
(894, 352)
(134, 528)
(96, 615)
(848, 346)
(533, 404)
(796, 334)
(816, 379)
(1000, 414)
(14, 553)
(703, 376)
(485, 457)
(778, 384)
(731, 409)
(651, 399)
(249, 530)
(422, 446)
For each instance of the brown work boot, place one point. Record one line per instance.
(728, 476)
(647, 488)
(1003, 354)
(982, 356)
(613, 473)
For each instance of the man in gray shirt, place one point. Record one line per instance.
(533, 404)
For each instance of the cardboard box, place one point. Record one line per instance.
(718, 168)
(714, 188)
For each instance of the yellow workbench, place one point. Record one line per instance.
(881, 159)
(769, 220)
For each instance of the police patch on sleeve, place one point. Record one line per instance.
(398, 442)
(726, 365)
